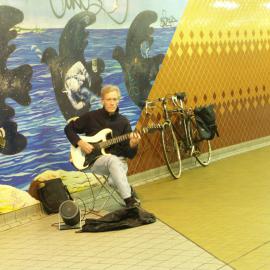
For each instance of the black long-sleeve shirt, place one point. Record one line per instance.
(92, 122)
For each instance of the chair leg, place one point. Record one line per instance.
(111, 192)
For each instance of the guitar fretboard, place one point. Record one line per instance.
(125, 137)
(115, 140)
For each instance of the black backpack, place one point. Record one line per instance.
(51, 194)
(206, 122)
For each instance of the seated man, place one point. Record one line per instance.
(114, 164)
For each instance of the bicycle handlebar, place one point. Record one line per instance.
(178, 95)
(177, 99)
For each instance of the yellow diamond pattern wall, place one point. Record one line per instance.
(220, 54)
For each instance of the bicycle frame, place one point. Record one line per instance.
(192, 143)
(187, 139)
(184, 119)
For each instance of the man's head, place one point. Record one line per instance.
(110, 96)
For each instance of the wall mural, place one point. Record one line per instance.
(54, 59)
(74, 79)
(14, 83)
(138, 67)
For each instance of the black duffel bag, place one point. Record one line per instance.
(51, 194)
(206, 122)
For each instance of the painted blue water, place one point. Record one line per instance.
(42, 121)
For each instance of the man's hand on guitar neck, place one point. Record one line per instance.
(86, 147)
(135, 138)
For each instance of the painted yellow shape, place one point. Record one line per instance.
(239, 107)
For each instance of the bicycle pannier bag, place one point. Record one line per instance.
(204, 132)
(51, 194)
(206, 122)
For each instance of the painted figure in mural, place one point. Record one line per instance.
(74, 79)
(139, 68)
(14, 83)
(95, 125)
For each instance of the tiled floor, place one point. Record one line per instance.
(218, 218)
(224, 208)
(39, 245)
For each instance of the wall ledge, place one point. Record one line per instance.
(189, 163)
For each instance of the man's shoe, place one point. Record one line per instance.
(134, 195)
(131, 202)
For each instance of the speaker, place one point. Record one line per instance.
(70, 213)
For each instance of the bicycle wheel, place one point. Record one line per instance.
(202, 148)
(171, 150)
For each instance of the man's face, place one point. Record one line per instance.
(110, 101)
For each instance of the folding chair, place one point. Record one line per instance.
(102, 191)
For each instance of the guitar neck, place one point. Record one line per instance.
(125, 137)
(115, 140)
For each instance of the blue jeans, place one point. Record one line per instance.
(116, 167)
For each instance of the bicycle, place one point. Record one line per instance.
(179, 134)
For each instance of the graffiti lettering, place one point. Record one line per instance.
(59, 8)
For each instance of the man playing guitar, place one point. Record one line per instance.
(114, 163)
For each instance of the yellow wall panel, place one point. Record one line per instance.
(220, 54)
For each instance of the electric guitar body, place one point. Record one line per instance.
(81, 160)
(102, 140)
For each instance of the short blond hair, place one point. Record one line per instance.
(110, 88)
